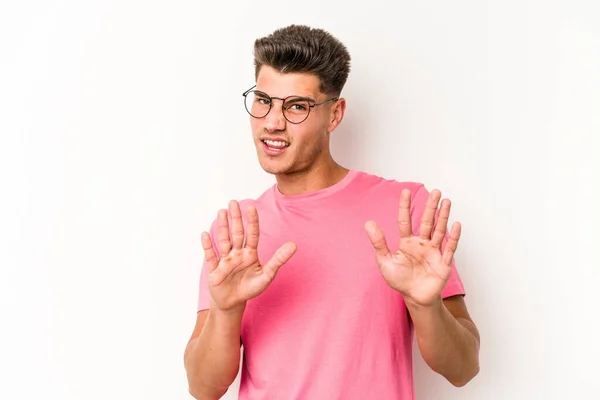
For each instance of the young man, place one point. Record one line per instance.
(326, 292)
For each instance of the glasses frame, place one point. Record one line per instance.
(310, 106)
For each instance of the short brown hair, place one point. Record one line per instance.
(301, 49)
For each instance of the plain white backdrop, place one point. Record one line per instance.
(123, 132)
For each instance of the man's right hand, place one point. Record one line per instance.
(238, 276)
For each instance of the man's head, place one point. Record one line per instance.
(308, 68)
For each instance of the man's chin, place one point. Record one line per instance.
(274, 168)
(273, 171)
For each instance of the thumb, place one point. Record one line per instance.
(377, 239)
(281, 256)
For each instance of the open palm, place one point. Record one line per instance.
(418, 269)
(238, 276)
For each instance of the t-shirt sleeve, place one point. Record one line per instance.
(454, 286)
(203, 292)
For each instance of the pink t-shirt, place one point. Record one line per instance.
(329, 326)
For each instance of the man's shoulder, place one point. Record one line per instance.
(264, 198)
(380, 183)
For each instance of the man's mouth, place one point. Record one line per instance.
(276, 144)
(274, 147)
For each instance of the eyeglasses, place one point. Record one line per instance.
(295, 109)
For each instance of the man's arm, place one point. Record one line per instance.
(448, 339)
(212, 355)
(233, 276)
(420, 270)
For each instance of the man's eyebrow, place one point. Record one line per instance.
(294, 97)
(261, 93)
(302, 98)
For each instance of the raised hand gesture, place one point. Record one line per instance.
(418, 269)
(238, 276)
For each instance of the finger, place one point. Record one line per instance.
(441, 225)
(237, 226)
(252, 229)
(210, 256)
(223, 241)
(377, 239)
(428, 217)
(404, 219)
(452, 243)
(281, 256)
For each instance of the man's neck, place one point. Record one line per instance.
(312, 180)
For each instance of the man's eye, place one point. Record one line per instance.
(299, 107)
(262, 101)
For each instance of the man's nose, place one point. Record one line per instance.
(275, 121)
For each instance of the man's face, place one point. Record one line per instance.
(303, 144)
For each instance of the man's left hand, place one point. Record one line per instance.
(418, 269)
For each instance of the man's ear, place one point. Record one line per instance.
(337, 114)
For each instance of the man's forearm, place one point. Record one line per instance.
(450, 346)
(212, 359)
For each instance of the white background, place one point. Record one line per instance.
(123, 132)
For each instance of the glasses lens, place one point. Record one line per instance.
(257, 104)
(296, 110)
